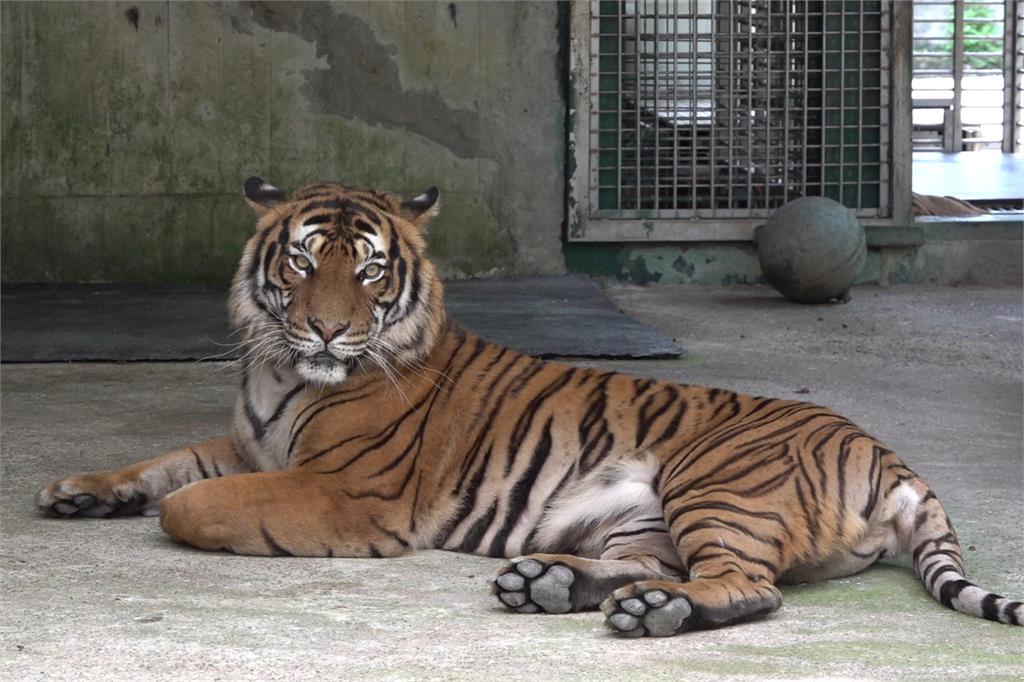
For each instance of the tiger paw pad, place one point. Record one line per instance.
(651, 613)
(84, 496)
(533, 586)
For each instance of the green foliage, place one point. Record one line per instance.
(978, 37)
(982, 37)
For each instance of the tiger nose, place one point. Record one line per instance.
(327, 332)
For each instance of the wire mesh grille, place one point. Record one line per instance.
(730, 108)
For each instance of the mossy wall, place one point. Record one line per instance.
(128, 128)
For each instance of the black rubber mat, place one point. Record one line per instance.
(544, 316)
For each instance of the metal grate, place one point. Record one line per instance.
(727, 109)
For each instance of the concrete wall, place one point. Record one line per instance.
(129, 127)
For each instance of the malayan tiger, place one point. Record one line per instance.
(369, 424)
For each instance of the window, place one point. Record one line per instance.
(963, 72)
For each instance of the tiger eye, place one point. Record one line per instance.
(301, 262)
(372, 270)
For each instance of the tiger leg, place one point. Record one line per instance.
(731, 578)
(138, 488)
(289, 513)
(559, 583)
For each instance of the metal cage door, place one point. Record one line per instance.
(696, 119)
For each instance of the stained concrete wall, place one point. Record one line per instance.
(129, 127)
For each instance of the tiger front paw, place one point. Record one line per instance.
(95, 495)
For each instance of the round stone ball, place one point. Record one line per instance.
(811, 250)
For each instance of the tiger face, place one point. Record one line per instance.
(334, 280)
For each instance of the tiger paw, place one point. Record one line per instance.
(634, 612)
(93, 495)
(531, 585)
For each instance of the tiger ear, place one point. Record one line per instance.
(262, 196)
(421, 208)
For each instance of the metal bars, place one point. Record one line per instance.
(723, 110)
(1016, 107)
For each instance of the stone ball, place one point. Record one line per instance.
(811, 250)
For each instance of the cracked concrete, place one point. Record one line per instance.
(936, 373)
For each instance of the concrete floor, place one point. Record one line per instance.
(934, 372)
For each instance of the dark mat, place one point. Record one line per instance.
(545, 316)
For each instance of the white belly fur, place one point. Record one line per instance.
(603, 500)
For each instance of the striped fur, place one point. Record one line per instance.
(371, 424)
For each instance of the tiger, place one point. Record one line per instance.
(370, 424)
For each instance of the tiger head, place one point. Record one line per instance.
(335, 280)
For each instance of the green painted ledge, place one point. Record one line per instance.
(935, 250)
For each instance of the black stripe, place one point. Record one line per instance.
(570, 474)
(268, 256)
(364, 226)
(639, 388)
(717, 524)
(1010, 614)
(725, 506)
(947, 538)
(525, 421)
(318, 219)
(333, 203)
(413, 511)
(759, 462)
(279, 410)
(485, 397)
(255, 423)
(934, 578)
(717, 439)
(812, 525)
(875, 474)
(695, 557)
(254, 264)
(466, 504)
(378, 440)
(199, 463)
(989, 609)
(844, 456)
(319, 406)
(769, 485)
(376, 494)
(732, 403)
(374, 200)
(673, 425)
(630, 533)
(390, 533)
(471, 542)
(951, 591)
(275, 548)
(520, 494)
(645, 420)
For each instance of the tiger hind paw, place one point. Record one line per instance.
(653, 613)
(531, 585)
